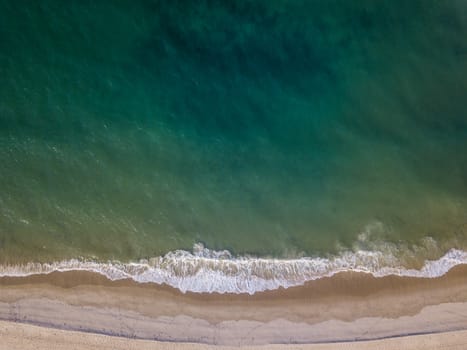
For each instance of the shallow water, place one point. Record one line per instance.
(268, 128)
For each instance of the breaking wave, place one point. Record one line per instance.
(208, 271)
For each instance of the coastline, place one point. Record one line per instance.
(210, 271)
(348, 306)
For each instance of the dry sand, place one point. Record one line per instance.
(14, 336)
(345, 307)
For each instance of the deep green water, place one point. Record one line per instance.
(274, 128)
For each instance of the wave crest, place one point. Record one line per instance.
(208, 271)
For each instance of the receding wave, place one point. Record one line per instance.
(208, 271)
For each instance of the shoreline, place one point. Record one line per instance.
(210, 271)
(348, 306)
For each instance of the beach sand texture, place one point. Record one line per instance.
(345, 307)
(16, 336)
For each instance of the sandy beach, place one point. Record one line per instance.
(347, 307)
(24, 337)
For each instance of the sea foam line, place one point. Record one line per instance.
(208, 271)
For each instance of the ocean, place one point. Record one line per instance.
(233, 146)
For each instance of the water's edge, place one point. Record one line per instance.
(209, 271)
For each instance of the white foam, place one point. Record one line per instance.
(210, 271)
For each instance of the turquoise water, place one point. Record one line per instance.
(268, 128)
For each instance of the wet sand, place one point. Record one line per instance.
(347, 307)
